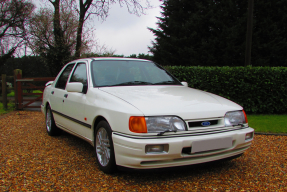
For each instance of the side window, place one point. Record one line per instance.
(80, 75)
(61, 83)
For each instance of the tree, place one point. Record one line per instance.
(101, 8)
(55, 51)
(213, 33)
(269, 41)
(193, 33)
(86, 9)
(13, 19)
(141, 56)
(60, 35)
(30, 65)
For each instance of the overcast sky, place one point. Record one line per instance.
(127, 33)
(121, 31)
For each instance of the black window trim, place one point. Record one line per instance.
(61, 72)
(73, 70)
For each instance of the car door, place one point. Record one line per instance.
(57, 95)
(74, 103)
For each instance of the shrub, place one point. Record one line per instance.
(257, 89)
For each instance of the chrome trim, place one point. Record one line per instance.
(180, 133)
(220, 123)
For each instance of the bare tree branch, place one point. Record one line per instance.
(70, 34)
(100, 8)
(13, 18)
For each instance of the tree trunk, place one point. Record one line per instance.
(79, 37)
(83, 10)
(57, 25)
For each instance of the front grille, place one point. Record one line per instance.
(208, 125)
(217, 125)
(199, 123)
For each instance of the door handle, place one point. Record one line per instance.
(66, 95)
(52, 92)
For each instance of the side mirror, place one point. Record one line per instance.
(184, 84)
(74, 87)
(49, 83)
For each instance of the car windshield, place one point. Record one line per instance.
(129, 72)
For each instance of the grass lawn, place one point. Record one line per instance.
(12, 94)
(268, 123)
(10, 107)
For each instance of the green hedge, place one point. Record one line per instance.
(257, 89)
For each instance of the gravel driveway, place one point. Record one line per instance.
(30, 160)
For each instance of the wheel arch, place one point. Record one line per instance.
(46, 105)
(96, 121)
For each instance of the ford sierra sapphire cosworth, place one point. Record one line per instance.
(137, 115)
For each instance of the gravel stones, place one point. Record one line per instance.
(30, 160)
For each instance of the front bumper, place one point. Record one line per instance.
(130, 151)
(43, 109)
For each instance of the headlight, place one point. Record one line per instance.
(161, 124)
(156, 124)
(235, 118)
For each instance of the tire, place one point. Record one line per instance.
(104, 148)
(51, 127)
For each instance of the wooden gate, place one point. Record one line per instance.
(24, 95)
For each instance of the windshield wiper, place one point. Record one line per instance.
(134, 83)
(163, 132)
(165, 83)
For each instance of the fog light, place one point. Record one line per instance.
(248, 136)
(163, 148)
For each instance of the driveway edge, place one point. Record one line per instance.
(277, 134)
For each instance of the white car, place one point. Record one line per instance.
(137, 115)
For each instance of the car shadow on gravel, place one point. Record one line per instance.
(163, 174)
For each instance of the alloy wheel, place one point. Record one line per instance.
(103, 146)
(48, 120)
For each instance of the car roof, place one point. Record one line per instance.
(109, 58)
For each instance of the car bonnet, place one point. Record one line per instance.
(173, 100)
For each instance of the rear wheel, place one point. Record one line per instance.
(51, 127)
(104, 148)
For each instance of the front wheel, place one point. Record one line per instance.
(51, 127)
(104, 148)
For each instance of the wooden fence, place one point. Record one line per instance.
(21, 84)
(4, 78)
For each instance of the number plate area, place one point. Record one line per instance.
(211, 144)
